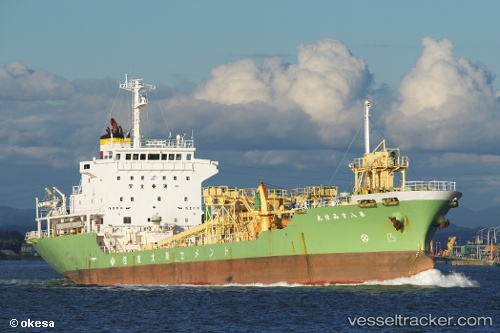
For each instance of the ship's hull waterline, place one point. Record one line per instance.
(319, 269)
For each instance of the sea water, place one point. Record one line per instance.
(449, 298)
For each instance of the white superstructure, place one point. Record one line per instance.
(144, 185)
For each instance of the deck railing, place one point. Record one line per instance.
(432, 185)
(167, 143)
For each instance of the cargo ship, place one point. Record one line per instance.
(141, 215)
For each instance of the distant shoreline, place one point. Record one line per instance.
(19, 257)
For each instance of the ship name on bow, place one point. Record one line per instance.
(341, 216)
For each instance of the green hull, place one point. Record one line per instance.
(324, 239)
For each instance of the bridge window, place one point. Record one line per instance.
(86, 166)
(143, 157)
(135, 157)
(118, 156)
(154, 157)
(127, 220)
(159, 198)
(188, 157)
(178, 157)
(128, 156)
(171, 157)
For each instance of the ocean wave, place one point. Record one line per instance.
(430, 278)
(59, 281)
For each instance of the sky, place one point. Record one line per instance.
(273, 90)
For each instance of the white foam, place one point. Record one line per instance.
(255, 285)
(430, 278)
(31, 281)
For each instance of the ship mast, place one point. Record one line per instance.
(137, 87)
(367, 127)
(374, 172)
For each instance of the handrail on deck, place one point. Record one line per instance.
(432, 185)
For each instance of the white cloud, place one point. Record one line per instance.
(277, 115)
(239, 126)
(445, 102)
(17, 81)
(44, 117)
(32, 155)
(328, 84)
(235, 83)
(327, 80)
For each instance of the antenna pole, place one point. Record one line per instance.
(367, 127)
(137, 87)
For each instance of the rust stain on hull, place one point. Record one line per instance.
(302, 269)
